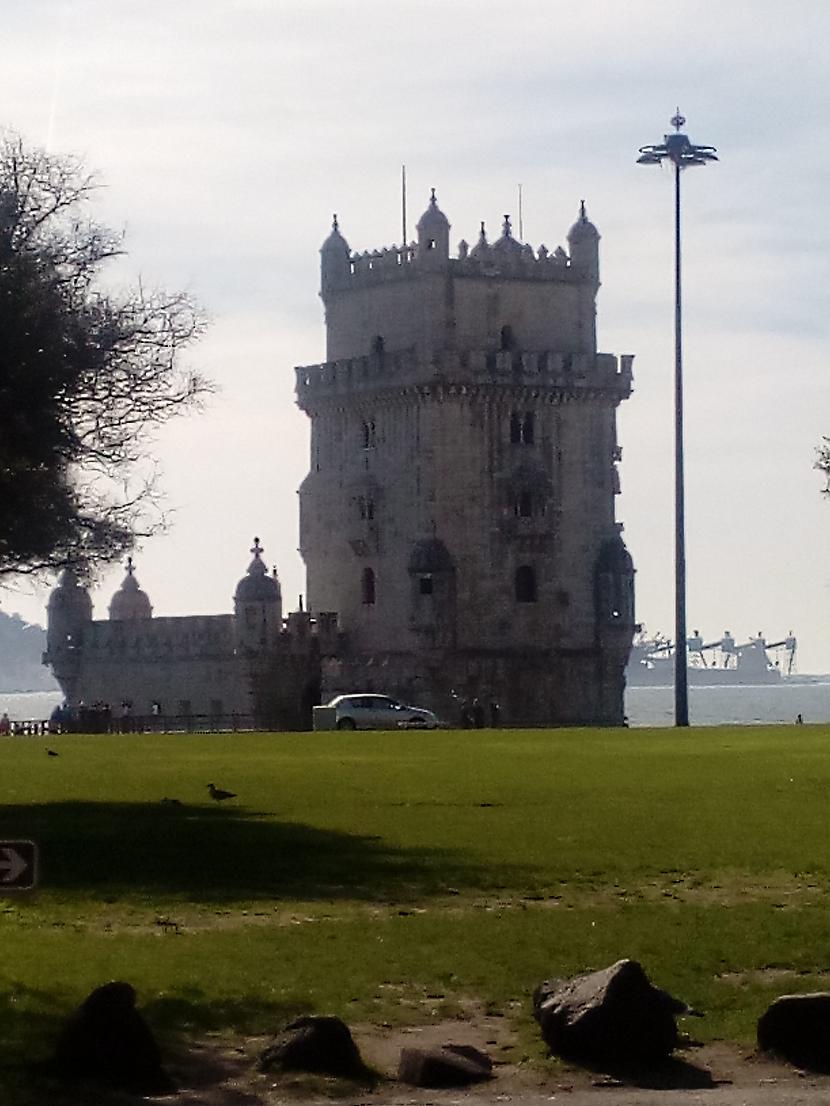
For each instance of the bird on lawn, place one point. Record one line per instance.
(51, 753)
(218, 795)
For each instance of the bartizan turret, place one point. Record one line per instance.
(69, 613)
(583, 239)
(433, 237)
(335, 263)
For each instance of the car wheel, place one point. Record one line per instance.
(346, 724)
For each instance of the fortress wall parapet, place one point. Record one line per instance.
(550, 369)
(192, 636)
(172, 638)
(394, 263)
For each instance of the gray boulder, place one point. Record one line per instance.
(797, 1027)
(315, 1043)
(615, 1015)
(107, 1041)
(446, 1066)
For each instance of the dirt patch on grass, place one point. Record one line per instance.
(223, 1072)
(716, 1074)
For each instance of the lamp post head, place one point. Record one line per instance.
(677, 148)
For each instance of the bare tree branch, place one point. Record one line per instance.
(86, 376)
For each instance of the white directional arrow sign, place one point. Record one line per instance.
(12, 865)
(18, 865)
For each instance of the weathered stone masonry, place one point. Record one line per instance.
(459, 510)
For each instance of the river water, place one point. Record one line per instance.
(645, 706)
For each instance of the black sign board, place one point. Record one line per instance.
(18, 865)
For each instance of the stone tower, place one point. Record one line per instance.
(459, 509)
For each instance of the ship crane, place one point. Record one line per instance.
(696, 644)
(789, 644)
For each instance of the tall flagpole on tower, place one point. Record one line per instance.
(403, 203)
(521, 224)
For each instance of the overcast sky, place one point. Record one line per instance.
(228, 132)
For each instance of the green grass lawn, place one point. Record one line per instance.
(406, 876)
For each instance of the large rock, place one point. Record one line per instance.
(315, 1043)
(613, 1015)
(107, 1040)
(797, 1027)
(446, 1066)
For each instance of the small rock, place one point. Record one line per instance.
(797, 1027)
(446, 1066)
(315, 1043)
(108, 1041)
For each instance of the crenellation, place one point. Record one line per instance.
(370, 375)
(395, 263)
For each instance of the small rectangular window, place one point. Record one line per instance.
(425, 585)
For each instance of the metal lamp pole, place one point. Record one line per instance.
(677, 149)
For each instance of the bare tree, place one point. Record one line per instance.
(86, 375)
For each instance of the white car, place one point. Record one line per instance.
(378, 712)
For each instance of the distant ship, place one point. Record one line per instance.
(713, 663)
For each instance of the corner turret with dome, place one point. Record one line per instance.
(335, 258)
(257, 604)
(69, 612)
(583, 239)
(433, 234)
(130, 603)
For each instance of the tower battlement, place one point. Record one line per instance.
(567, 373)
(401, 263)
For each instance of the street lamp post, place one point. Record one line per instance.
(677, 149)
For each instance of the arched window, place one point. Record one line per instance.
(368, 586)
(515, 427)
(525, 584)
(508, 340)
(528, 428)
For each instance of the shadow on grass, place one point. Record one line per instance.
(210, 854)
(31, 1021)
